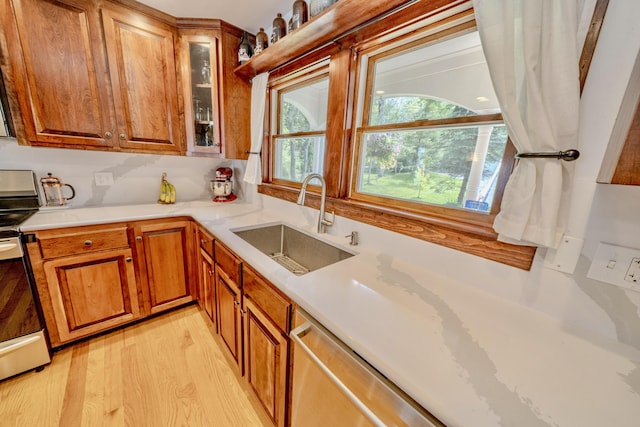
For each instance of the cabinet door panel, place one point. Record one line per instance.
(61, 79)
(92, 292)
(266, 358)
(164, 250)
(229, 316)
(198, 52)
(143, 75)
(207, 295)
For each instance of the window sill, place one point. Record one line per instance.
(470, 238)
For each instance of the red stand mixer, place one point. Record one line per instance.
(222, 186)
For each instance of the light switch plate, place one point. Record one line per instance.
(566, 256)
(612, 264)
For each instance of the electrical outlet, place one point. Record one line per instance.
(616, 265)
(633, 273)
(103, 178)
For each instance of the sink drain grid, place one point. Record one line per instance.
(289, 264)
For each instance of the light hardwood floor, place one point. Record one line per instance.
(165, 371)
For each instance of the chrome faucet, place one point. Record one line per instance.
(322, 221)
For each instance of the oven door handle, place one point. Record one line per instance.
(19, 345)
(303, 330)
(7, 247)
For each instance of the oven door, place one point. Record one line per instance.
(23, 345)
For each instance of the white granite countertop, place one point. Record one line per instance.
(469, 357)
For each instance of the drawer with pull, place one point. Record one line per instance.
(76, 240)
(228, 262)
(272, 303)
(206, 241)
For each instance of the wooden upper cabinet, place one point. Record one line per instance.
(86, 77)
(59, 71)
(225, 132)
(143, 77)
(199, 70)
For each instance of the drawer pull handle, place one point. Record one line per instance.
(88, 243)
(236, 303)
(139, 238)
(129, 259)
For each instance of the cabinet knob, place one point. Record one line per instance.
(236, 303)
(108, 135)
(123, 136)
(210, 272)
(128, 259)
(203, 242)
(139, 238)
(88, 242)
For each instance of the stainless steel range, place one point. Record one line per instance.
(23, 343)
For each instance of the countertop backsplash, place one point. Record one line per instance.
(136, 177)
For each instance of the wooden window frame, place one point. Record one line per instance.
(470, 235)
(316, 72)
(446, 29)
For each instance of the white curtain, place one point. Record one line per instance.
(253, 173)
(530, 48)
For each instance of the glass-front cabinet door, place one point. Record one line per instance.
(200, 82)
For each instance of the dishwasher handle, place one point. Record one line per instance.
(296, 335)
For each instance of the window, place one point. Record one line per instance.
(430, 133)
(299, 113)
(402, 122)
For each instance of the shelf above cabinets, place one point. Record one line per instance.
(337, 20)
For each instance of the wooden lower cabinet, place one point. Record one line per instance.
(92, 292)
(267, 322)
(163, 251)
(94, 278)
(266, 351)
(229, 298)
(254, 319)
(207, 286)
(206, 272)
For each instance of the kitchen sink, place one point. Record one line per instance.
(295, 250)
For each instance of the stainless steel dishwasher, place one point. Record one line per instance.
(333, 386)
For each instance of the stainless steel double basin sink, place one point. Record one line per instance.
(295, 250)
